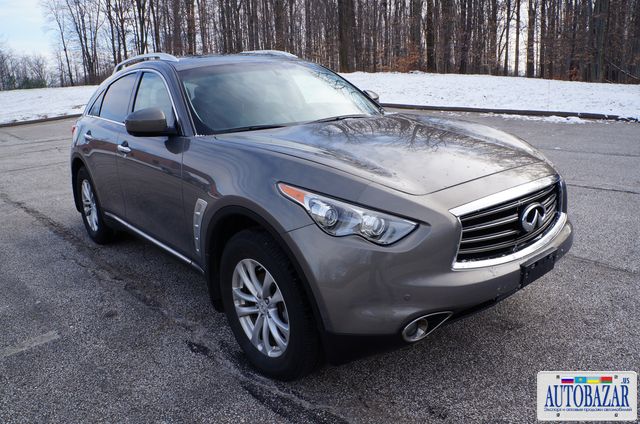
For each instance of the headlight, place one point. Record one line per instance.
(339, 219)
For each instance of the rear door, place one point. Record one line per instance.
(150, 174)
(102, 132)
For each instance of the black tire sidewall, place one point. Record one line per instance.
(259, 247)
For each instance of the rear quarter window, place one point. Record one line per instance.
(95, 107)
(115, 105)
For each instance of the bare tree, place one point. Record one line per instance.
(590, 40)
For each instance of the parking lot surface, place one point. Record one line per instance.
(125, 333)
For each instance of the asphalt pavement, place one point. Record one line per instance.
(125, 333)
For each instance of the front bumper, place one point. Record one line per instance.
(369, 293)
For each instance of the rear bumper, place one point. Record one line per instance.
(367, 294)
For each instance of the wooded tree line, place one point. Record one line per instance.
(587, 40)
(23, 71)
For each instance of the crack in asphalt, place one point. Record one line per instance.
(285, 402)
(624, 155)
(273, 395)
(28, 152)
(615, 190)
(29, 344)
(25, 143)
(601, 264)
(26, 168)
(8, 134)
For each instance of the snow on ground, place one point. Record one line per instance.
(553, 118)
(482, 91)
(22, 105)
(492, 92)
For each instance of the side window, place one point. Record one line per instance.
(153, 93)
(116, 101)
(95, 108)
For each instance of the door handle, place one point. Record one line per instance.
(89, 137)
(124, 148)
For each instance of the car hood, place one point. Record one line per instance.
(414, 154)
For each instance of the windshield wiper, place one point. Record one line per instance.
(340, 118)
(250, 128)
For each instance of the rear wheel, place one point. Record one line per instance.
(91, 212)
(267, 308)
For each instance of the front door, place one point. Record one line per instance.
(150, 170)
(102, 135)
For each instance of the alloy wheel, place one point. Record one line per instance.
(89, 205)
(260, 308)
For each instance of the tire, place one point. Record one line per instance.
(91, 211)
(301, 354)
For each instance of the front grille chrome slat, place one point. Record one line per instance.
(526, 200)
(490, 224)
(489, 237)
(496, 231)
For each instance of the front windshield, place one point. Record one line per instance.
(244, 96)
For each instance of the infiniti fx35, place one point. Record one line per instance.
(326, 227)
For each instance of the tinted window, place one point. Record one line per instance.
(95, 108)
(153, 93)
(231, 97)
(116, 102)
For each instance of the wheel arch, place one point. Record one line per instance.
(228, 221)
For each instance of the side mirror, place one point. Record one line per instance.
(148, 122)
(372, 95)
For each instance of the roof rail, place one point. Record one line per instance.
(142, 58)
(271, 52)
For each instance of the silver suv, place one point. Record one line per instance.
(326, 228)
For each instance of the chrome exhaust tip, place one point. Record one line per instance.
(422, 326)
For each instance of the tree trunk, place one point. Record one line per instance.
(600, 14)
(493, 37)
(506, 45)
(531, 26)
(176, 36)
(430, 37)
(345, 27)
(516, 67)
(543, 37)
(279, 12)
(447, 21)
(415, 34)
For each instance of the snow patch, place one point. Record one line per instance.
(23, 105)
(553, 118)
(493, 92)
(418, 88)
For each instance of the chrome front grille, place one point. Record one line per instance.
(497, 230)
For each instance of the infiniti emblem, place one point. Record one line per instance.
(532, 217)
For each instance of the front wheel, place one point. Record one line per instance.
(266, 307)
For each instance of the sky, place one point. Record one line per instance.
(23, 27)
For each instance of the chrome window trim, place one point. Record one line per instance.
(154, 241)
(136, 87)
(106, 120)
(502, 197)
(173, 103)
